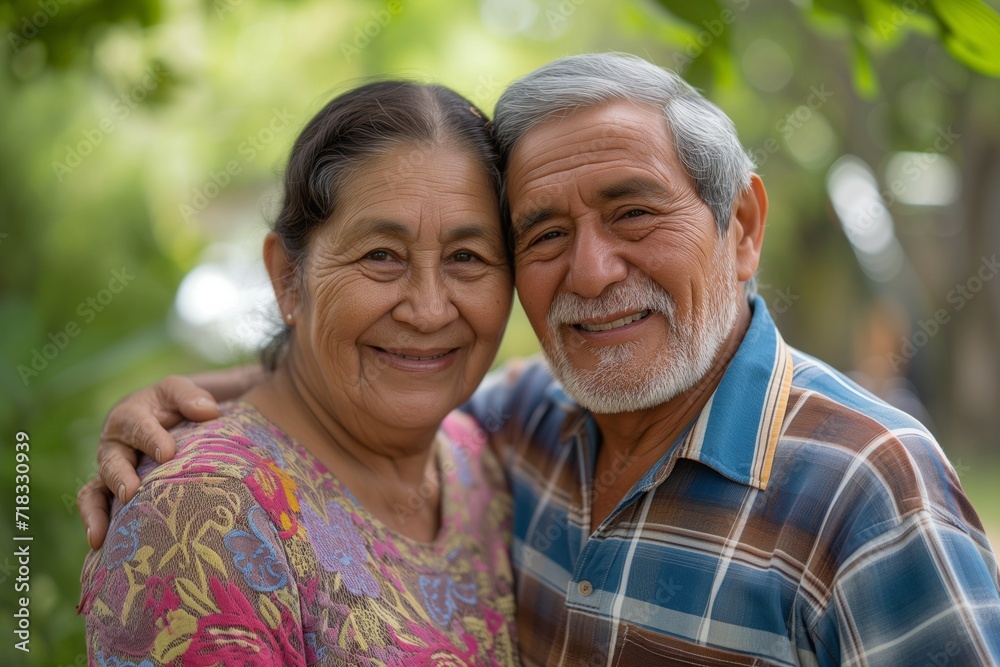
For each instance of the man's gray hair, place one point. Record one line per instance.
(704, 137)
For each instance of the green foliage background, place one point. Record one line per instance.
(897, 74)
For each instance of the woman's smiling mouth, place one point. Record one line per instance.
(413, 360)
(418, 355)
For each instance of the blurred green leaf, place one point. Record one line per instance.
(884, 20)
(850, 9)
(973, 35)
(863, 71)
(695, 13)
(710, 39)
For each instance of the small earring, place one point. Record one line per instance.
(288, 318)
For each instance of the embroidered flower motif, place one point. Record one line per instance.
(494, 621)
(440, 593)
(275, 491)
(123, 542)
(256, 556)
(386, 549)
(314, 652)
(393, 579)
(341, 548)
(266, 439)
(437, 649)
(237, 635)
(104, 661)
(90, 586)
(160, 597)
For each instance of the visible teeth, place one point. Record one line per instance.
(617, 323)
(436, 356)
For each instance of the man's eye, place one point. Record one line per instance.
(548, 236)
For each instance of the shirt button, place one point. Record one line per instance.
(585, 588)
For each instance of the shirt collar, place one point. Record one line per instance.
(737, 431)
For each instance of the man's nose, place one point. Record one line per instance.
(594, 263)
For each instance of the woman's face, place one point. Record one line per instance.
(407, 290)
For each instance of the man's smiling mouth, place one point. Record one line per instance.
(620, 322)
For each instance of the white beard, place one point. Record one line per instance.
(623, 382)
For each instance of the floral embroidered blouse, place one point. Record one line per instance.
(246, 550)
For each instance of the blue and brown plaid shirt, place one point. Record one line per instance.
(798, 520)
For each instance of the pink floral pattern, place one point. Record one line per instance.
(245, 550)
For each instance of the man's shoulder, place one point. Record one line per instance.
(867, 452)
(517, 389)
(522, 402)
(841, 399)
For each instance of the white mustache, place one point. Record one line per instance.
(635, 295)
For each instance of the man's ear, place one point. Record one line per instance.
(282, 271)
(747, 224)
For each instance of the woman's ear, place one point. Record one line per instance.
(282, 271)
(749, 218)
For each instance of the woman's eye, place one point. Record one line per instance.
(378, 255)
(635, 213)
(464, 256)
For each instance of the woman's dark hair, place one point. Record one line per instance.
(365, 123)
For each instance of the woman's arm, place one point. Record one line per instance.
(197, 576)
(139, 423)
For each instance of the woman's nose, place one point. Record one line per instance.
(427, 304)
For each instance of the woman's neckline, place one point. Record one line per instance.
(442, 456)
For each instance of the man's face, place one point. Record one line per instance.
(620, 266)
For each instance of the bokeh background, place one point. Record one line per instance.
(142, 141)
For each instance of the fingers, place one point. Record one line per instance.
(142, 426)
(116, 463)
(140, 420)
(92, 502)
(138, 423)
(181, 395)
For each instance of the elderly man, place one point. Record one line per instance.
(689, 489)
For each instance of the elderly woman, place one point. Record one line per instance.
(340, 511)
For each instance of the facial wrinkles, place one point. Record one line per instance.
(637, 294)
(573, 194)
(622, 381)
